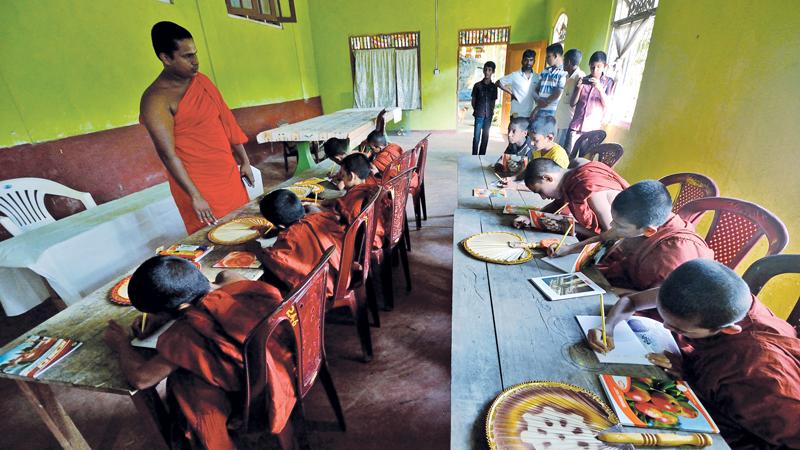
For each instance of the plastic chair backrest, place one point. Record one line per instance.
(303, 313)
(692, 186)
(761, 271)
(421, 157)
(607, 153)
(585, 142)
(22, 202)
(356, 248)
(736, 227)
(397, 189)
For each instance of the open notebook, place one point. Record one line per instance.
(633, 340)
(152, 340)
(576, 261)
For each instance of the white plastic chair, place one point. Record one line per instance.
(22, 202)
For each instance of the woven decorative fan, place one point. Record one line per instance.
(238, 231)
(300, 191)
(556, 416)
(119, 293)
(500, 247)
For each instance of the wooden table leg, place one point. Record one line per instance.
(52, 413)
(153, 416)
(304, 159)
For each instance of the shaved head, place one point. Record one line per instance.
(538, 168)
(706, 293)
(646, 203)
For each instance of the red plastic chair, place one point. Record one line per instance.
(587, 141)
(692, 186)
(761, 271)
(736, 227)
(352, 290)
(397, 190)
(418, 194)
(407, 160)
(607, 153)
(302, 312)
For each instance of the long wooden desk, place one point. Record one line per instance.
(505, 332)
(353, 123)
(93, 367)
(476, 172)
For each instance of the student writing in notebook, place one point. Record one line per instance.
(742, 360)
(200, 355)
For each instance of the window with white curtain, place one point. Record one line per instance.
(386, 70)
(627, 53)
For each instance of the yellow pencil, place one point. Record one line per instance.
(144, 320)
(565, 235)
(315, 197)
(559, 209)
(603, 320)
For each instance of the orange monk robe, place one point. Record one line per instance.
(351, 204)
(382, 161)
(750, 381)
(204, 131)
(300, 247)
(206, 343)
(645, 262)
(580, 183)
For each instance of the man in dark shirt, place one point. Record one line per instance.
(484, 94)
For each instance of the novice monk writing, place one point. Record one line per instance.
(301, 242)
(741, 360)
(201, 353)
(586, 187)
(653, 241)
(357, 179)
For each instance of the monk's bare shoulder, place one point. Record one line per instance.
(155, 100)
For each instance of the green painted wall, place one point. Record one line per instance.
(70, 70)
(588, 25)
(335, 21)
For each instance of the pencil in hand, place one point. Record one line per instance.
(603, 321)
(564, 237)
(144, 321)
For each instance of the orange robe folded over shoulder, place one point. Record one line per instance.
(351, 204)
(750, 382)
(580, 183)
(207, 343)
(382, 162)
(204, 131)
(645, 262)
(300, 247)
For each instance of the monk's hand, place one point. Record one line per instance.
(670, 362)
(228, 277)
(554, 251)
(246, 172)
(151, 325)
(521, 222)
(203, 210)
(595, 338)
(115, 336)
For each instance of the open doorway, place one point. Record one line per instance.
(476, 47)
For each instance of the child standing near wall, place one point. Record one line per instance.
(565, 109)
(484, 95)
(592, 98)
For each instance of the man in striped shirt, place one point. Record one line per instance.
(551, 83)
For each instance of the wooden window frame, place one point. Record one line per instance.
(472, 37)
(256, 13)
(383, 40)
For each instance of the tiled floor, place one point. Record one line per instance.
(400, 400)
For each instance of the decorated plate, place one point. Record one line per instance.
(119, 293)
(238, 230)
(496, 247)
(542, 414)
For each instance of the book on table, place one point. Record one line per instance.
(36, 355)
(191, 252)
(564, 286)
(634, 339)
(656, 403)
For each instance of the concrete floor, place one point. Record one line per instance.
(400, 400)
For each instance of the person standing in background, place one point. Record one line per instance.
(521, 85)
(592, 98)
(484, 95)
(565, 110)
(551, 83)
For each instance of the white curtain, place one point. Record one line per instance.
(407, 79)
(375, 84)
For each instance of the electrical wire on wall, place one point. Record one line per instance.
(436, 38)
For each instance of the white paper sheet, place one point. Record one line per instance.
(152, 340)
(628, 349)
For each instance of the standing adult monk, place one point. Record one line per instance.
(194, 131)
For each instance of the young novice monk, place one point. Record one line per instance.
(653, 241)
(201, 354)
(336, 149)
(587, 187)
(741, 360)
(357, 179)
(383, 154)
(301, 242)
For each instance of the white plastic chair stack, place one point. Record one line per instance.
(22, 202)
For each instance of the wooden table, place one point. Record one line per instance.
(93, 367)
(476, 172)
(353, 123)
(506, 333)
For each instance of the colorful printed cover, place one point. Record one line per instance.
(34, 356)
(648, 402)
(239, 260)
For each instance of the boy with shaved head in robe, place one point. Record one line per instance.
(586, 187)
(301, 242)
(383, 153)
(201, 354)
(651, 240)
(741, 360)
(356, 177)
